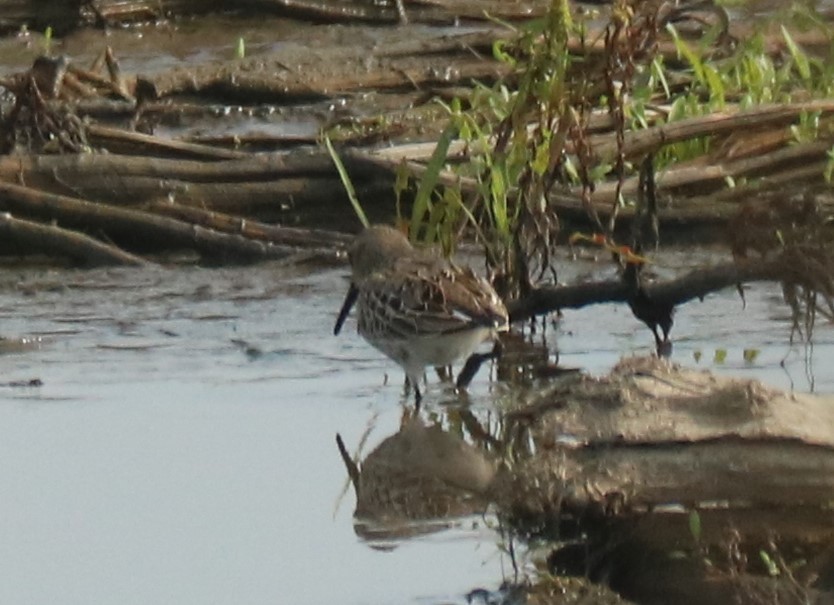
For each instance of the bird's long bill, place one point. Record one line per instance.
(350, 300)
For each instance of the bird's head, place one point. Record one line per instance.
(377, 249)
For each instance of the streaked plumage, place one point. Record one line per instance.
(417, 308)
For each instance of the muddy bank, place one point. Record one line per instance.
(78, 117)
(108, 13)
(373, 91)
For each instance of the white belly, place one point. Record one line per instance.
(416, 353)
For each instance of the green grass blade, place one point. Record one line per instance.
(422, 200)
(687, 53)
(346, 182)
(799, 57)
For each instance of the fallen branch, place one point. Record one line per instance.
(32, 237)
(640, 142)
(699, 176)
(117, 140)
(254, 230)
(566, 202)
(263, 185)
(249, 168)
(695, 284)
(134, 226)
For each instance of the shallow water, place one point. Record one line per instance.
(161, 463)
(181, 448)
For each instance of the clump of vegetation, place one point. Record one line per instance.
(570, 117)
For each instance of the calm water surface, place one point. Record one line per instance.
(162, 462)
(181, 449)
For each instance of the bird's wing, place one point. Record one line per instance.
(433, 298)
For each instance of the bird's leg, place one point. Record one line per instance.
(444, 373)
(418, 396)
(473, 364)
(664, 345)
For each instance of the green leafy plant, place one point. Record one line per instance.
(530, 132)
(47, 40)
(695, 525)
(769, 563)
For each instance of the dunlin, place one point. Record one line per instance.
(417, 308)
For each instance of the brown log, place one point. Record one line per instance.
(46, 169)
(266, 187)
(762, 119)
(781, 441)
(329, 11)
(639, 143)
(805, 160)
(134, 225)
(37, 238)
(117, 140)
(698, 176)
(254, 230)
(695, 284)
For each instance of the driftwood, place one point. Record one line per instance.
(265, 186)
(639, 143)
(742, 443)
(205, 186)
(780, 162)
(259, 185)
(28, 237)
(424, 11)
(696, 284)
(606, 423)
(326, 241)
(803, 162)
(134, 226)
(653, 460)
(117, 139)
(253, 168)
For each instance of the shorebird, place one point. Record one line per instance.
(417, 308)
